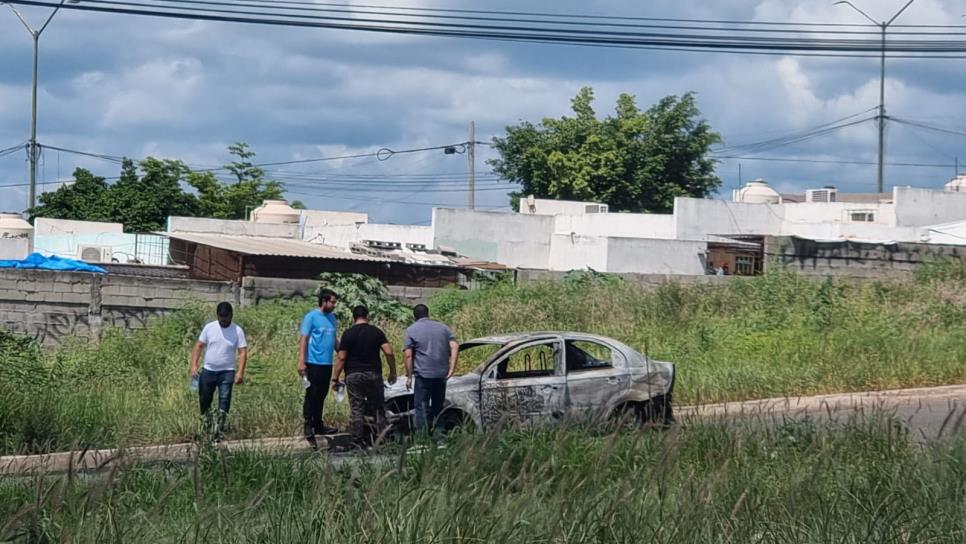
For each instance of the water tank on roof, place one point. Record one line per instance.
(757, 192)
(13, 226)
(275, 211)
(957, 185)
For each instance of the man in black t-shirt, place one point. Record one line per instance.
(359, 356)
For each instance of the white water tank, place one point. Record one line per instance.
(957, 185)
(757, 192)
(12, 226)
(275, 211)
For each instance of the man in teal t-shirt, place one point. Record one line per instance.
(317, 345)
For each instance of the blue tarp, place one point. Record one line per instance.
(39, 262)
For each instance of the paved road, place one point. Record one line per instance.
(929, 413)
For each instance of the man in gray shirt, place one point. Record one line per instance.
(430, 355)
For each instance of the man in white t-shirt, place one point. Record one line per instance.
(220, 340)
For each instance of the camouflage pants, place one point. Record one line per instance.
(367, 406)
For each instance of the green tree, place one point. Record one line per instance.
(150, 191)
(633, 161)
(248, 190)
(84, 200)
(143, 203)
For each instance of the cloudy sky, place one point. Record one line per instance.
(134, 86)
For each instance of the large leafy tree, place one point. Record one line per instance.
(633, 160)
(85, 199)
(153, 189)
(143, 203)
(247, 190)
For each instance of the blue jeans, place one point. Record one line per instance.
(428, 395)
(208, 381)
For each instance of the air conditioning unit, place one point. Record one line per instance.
(95, 254)
(826, 194)
(416, 247)
(382, 245)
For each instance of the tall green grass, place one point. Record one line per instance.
(758, 337)
(858, 482)
(774, 335)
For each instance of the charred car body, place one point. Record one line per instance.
(546, 378)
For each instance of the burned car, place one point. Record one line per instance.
(546, 378)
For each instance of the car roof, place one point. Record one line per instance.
(503, 339)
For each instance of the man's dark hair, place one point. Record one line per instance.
(224, 309)
(325, 295)
(420, 311)
(359, 312)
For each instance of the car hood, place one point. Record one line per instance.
(469, 381)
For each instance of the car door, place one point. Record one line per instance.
(526, 385)
(596, 377)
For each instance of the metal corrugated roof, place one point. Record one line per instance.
(264, 246)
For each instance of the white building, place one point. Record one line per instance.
(564, 236)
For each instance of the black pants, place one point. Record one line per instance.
(367, 404)
(320, 377)
(429, 395)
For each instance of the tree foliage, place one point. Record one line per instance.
(633, 160)
(235, 200)
(149, 191)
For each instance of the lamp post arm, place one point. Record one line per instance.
(19, 16)
(896, 16)
(864, 14)
(51, 16)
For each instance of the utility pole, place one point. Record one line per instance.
(471, 159)
(881, 117)
(33, 150)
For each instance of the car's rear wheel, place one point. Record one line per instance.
(656, 412)
(454, 419)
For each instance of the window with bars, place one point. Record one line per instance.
(862, 216)
(744, 265)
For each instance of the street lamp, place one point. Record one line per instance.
(32, 150)
(882, 115)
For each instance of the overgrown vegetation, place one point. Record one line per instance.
(355, 289)
(751, 338)
(860, 481)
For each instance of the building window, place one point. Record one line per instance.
(744, 265)
(862, 216)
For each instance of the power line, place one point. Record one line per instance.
(12, 149)
(830, 161)
(382, 154)
(928, 126)
(536, 33)
(757, 147)
(110, 158)
(545, 18)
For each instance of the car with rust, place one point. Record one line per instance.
(547, 378)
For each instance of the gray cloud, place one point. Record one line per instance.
(137, 86)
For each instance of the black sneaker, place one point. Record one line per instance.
(328, 430)
(313, 443)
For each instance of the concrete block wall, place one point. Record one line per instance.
(53, 306)
(647, 281)
(854, 259)
(255, 290)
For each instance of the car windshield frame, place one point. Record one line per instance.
(505, 345)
